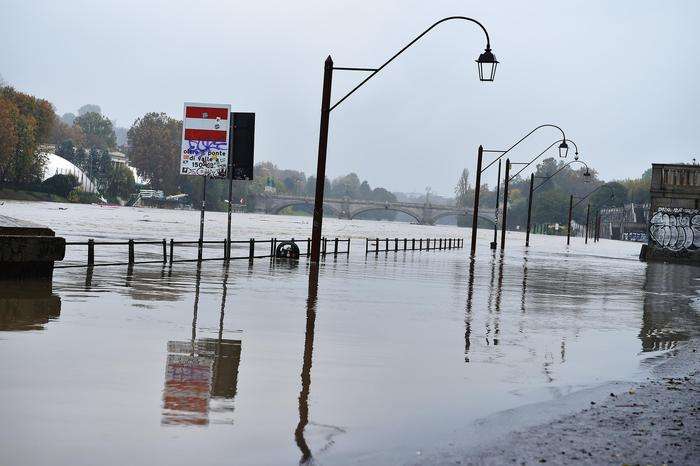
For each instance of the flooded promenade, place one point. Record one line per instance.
(388, 358)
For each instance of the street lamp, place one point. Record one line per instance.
(564, 149)
(586, 179)
(479, 171)
(487, 65)
(486, 62)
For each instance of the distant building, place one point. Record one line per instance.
(674, 223)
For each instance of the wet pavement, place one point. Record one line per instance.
(385, 356)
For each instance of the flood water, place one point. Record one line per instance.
(386, 356)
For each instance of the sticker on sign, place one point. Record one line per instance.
(205, 140)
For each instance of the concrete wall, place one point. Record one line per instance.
(674, 223)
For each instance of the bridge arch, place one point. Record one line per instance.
(395, 209)
(460, 213)
(279, 208)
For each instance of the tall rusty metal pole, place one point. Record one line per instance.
(588, 214)
(477, 192)
(568, 228)
(321, 161)
(495, 215)
(505, 205)
(529, 211)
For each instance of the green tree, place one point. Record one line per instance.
(154, 150)
(98, 130)
(120, 182)
(61, 185)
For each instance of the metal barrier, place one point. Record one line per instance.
(166, 252)
(377, 245)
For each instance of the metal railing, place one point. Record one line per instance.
(166, 251)
(377, 245)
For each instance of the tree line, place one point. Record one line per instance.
(27, 122)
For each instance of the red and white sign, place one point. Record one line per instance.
(205, 140)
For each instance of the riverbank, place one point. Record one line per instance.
(32, 196)
(653, 422)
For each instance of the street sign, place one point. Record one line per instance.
(205, 140)
(243, 133)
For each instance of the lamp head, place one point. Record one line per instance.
(563, 149)
(487, 64)
(587, 176)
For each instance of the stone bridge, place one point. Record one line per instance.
(424, 214)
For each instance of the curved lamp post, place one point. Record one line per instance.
(587, 179)
(587, 175)
(563, 152)
(596, 235)
(486, 63)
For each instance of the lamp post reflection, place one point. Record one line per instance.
(306, 455)
(468, 310)
(200, 371)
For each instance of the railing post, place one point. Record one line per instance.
(165, 251)
(335, 247)
(405, 242)
(325, 246)
(440, 244)
(366, 246)
(91, 252)
(386, 244)
(172, 249)
(348, 250)
(376, 246)
(420, 244)
(131, 251)
(413, 244)
(251, 249)
(396, 245)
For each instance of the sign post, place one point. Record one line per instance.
(205, 147)
(241, 143)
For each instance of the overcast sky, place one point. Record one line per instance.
(620, 77)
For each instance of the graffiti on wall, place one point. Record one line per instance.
(675, 229)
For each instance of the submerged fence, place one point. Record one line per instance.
(164, 252)
(412, 244)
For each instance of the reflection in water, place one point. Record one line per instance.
(306, 366)
(468, 313)
(27, 305)
(669, 315)
(200, 372)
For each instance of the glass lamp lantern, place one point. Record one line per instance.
(487, 64)
(563, 149)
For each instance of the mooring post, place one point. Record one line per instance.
(529, 211)
(477, 190)
(165, 251)
(568, 228)
(131, 251)
(506, 183)
(91, 252)
(172, 249)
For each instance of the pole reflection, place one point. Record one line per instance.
(201, 375)
(306, 455)
(468, 311)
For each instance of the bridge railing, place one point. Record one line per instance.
(377, 245)
(163, 251)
